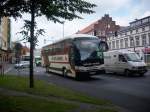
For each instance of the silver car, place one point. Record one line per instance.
(22, 64)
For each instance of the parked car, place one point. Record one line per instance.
(22, 64)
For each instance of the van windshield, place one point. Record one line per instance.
(133, 57)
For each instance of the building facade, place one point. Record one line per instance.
(135, 37)
(101, 28)
(5, 40)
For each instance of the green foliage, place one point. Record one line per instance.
(52, 9)
(26, 31)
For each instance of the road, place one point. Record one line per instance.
(130, 93)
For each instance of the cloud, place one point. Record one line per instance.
(146, 13)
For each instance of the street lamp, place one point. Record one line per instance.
(48, 40)
(146, 46)
(133, 44)
(63, 22)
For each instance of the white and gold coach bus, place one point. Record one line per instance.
(79, 55)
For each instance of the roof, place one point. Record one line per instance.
(88, 28)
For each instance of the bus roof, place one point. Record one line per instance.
(80, 35)
(71, 37)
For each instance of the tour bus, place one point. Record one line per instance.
(77, 56)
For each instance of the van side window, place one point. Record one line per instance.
(122, 58)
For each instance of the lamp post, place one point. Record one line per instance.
(146, 46)
(48, 40)
(134, 44)
(63, 22)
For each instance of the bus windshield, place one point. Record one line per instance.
(133, 57)
(89, 48)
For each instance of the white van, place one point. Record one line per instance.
(126, 62)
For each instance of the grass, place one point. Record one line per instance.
(44, 89)
(29, 104)
(41, 101)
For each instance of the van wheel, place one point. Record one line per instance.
(127, 73)
(65, 72)
(47, 70)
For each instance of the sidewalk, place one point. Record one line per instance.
(5, 67)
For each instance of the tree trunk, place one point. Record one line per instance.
(32, 44)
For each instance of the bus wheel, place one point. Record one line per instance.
(78, 77)
(65, 72)
(127, 73)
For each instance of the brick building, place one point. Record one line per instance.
(101, 28)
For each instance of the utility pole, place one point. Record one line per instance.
(63, 22)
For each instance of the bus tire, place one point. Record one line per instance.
(65, 72)
(78, 77)
(127, 72)
(47, 69)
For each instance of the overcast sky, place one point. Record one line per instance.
(122, 11)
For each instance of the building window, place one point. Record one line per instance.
(126, 42)
(145, 20)
(121, 43)
(113, 44)
(131, 41)
(143, 29)
(137, 40)
(136, 30)
(149, 38)
(143, 39)
(117, 44)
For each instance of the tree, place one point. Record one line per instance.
(54, 10)
(18, 48)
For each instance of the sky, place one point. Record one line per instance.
(121, 11)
